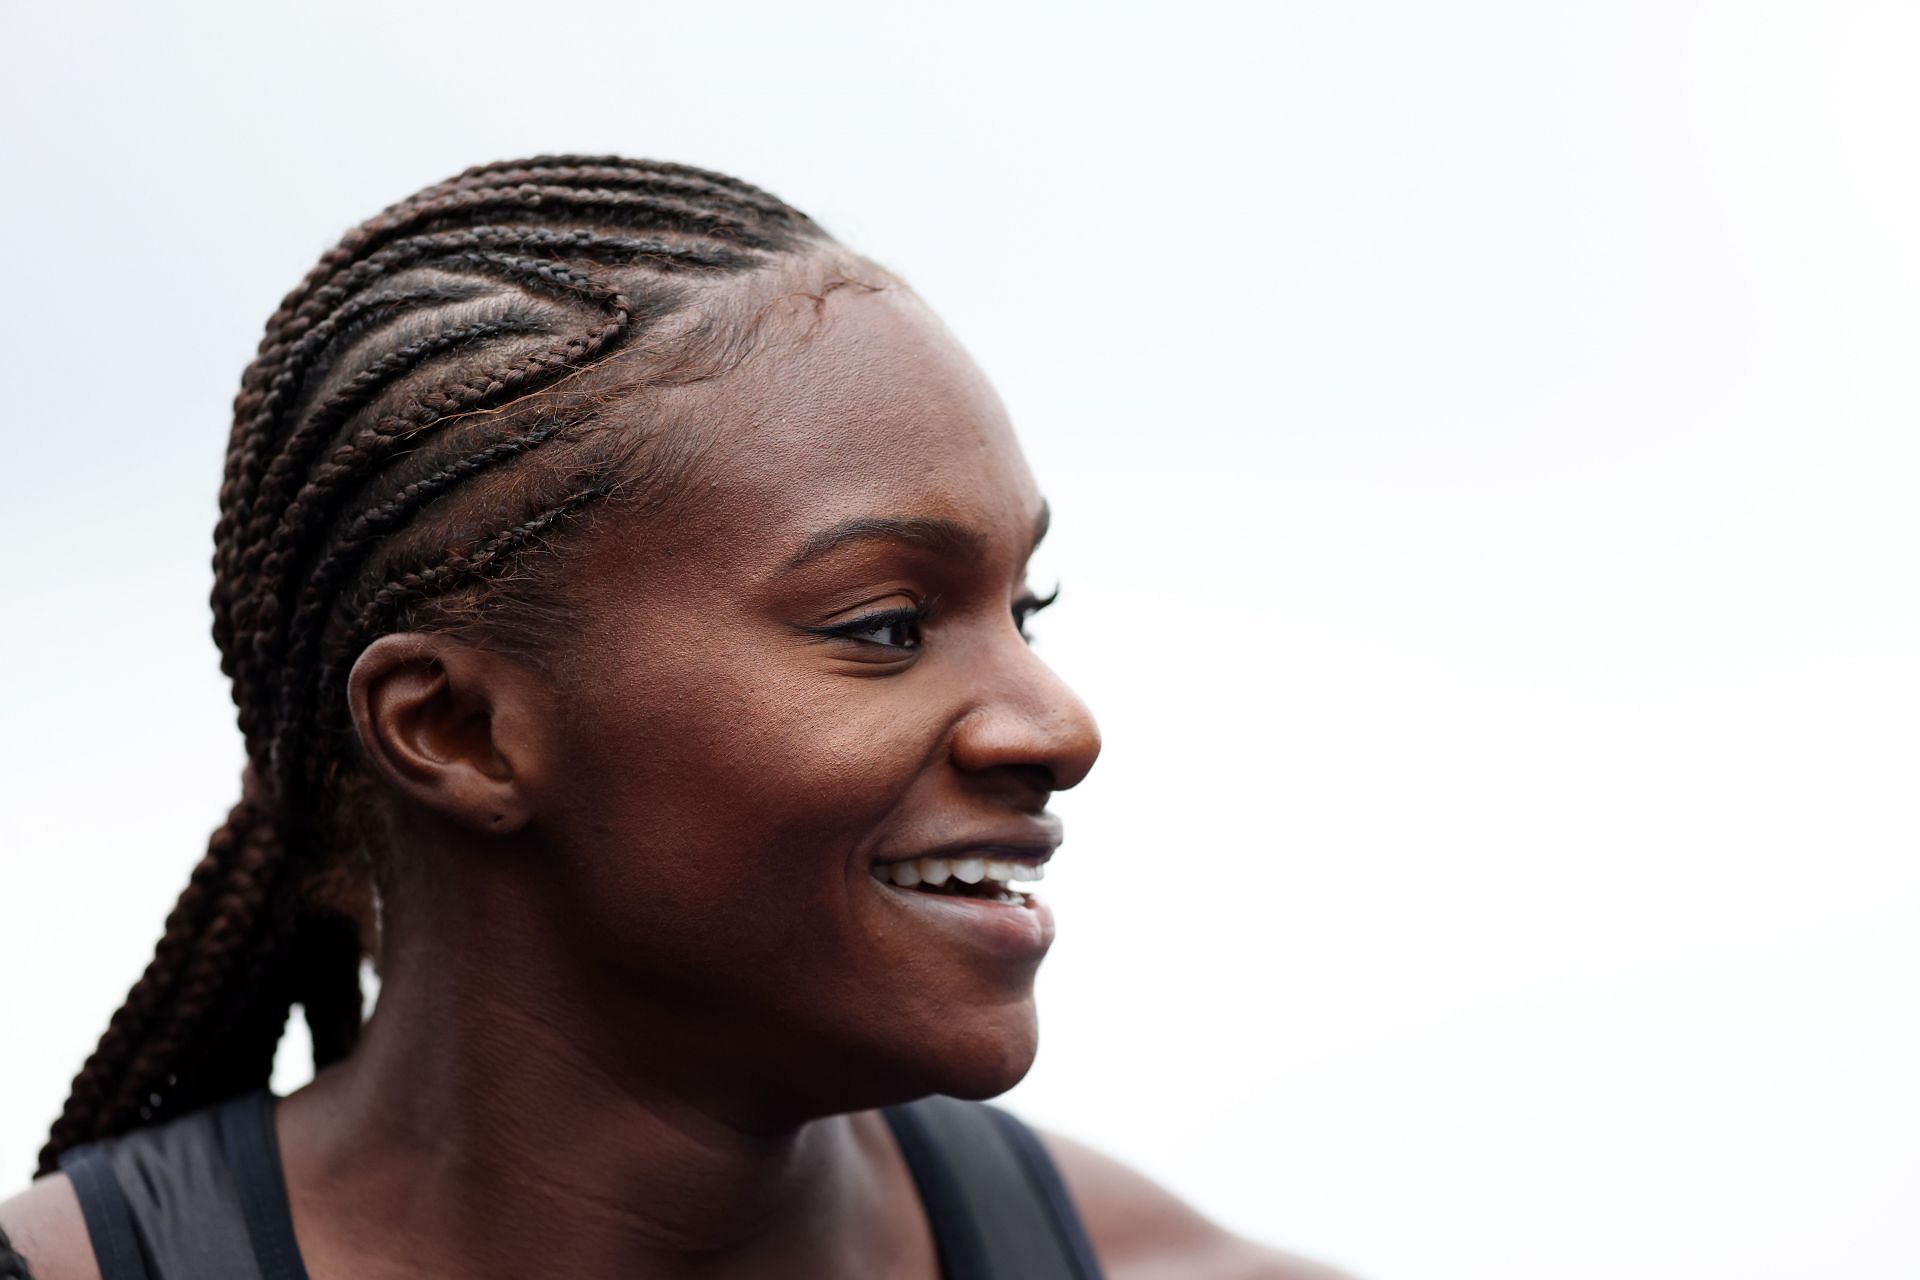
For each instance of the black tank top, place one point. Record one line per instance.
(203, 1197)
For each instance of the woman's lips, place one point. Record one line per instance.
(980, 899)
(1029, 838)
(1013, 927)
(977, 888)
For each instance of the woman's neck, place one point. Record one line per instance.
(492, 1122)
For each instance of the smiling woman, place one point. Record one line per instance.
(624, 589)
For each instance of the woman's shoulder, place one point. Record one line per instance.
(130, 1185)
(45, 1227)
(1142, 1231)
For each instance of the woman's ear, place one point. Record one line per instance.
(443, 723)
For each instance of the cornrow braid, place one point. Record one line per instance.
(421, 421)
(329, 306)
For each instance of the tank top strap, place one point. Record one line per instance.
(995, 1200)
(198, 1196)
(253, 1153)
(116, 1246)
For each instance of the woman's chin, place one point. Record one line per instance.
(976, 1054)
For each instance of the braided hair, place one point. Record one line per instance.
(422, 421)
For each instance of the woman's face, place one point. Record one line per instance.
(816, 668)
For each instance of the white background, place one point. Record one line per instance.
(1483, 445)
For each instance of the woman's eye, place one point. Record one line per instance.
(891, 629)
(898, 630)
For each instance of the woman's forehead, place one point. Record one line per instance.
(867, 409)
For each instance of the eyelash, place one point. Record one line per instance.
(856, 629)
(1023, 609)
(1028, 605)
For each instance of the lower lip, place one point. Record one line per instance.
(1009, 931)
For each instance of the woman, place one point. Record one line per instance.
(623, 589)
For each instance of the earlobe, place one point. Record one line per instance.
(428, 710)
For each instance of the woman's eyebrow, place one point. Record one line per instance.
(945, 536)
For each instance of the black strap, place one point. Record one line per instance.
(956, 1237)
(253, 1153)
(104, 1207)
(189, 1199)
(1045, 1177)
(996, 1204)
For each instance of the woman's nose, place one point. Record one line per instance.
(1025, 717)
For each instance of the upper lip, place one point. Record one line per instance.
(1031, 840)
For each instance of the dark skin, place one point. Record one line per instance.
(641, 992)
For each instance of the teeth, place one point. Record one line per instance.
(937, 871)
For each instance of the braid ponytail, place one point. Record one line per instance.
(402, 446)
